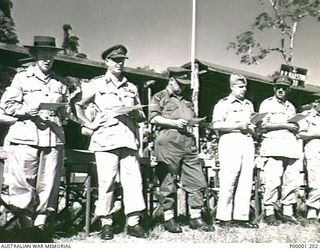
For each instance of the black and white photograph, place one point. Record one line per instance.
(159, 123)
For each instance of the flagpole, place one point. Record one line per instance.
(194, 68)
(193, 40)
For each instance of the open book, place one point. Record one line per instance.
(296, 118)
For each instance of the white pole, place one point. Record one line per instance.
(194, 68)
(193, 42)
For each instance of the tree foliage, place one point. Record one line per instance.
(7, 35)
(7, 26)
(147, 68)
(286, 17)
(70, 43)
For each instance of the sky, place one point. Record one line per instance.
(158, 32)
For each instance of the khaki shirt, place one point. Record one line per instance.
(30, 88)
(107, 93)
(280, 142)
(231, 109)
(311, 123)
(171, 106)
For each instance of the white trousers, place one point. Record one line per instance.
(34, 177)
(236, 157)
(122, 161)
(313, 168)
(281, 175)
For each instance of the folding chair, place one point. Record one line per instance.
(80, 161)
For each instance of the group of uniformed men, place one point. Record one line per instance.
(34, 144)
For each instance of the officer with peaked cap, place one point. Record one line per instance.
(36, 139)
(282, 152)
(176, 150)
(114, 141)
(231, 119)
(309, 132)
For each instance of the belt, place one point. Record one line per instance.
(184, 131)
(236, 131)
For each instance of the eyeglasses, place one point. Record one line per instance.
(285, 88)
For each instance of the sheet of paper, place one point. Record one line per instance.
(6, 119)
(194, 121)
(297, 118)
(257, 117)
(52, 106)
(126, 110)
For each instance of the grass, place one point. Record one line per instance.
(285, 233)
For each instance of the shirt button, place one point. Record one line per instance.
(46, 94)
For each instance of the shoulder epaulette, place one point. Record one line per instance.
(158, 96)
(21, 70)
(223, 99)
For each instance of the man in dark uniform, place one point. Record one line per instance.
(176, 150)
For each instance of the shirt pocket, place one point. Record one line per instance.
(169, 109)
(56, 94)
(28, 91)
(32, 96)
(128, 98)
(107, 100)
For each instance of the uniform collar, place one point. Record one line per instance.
(280, 101)
(170, 93)
(112, 78)
(233, 99)
(34, 70)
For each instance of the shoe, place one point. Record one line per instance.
(172, 226)
(41, 227)
(289, 219)
(246, 224)
(200, 224)
(137, 231)
(271, 220)
(106, 232)
(313, 221)
(223, 223)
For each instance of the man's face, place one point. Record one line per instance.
(281, 91)
(115, 65)
(176, 87)
(44, 59)
(239, 90)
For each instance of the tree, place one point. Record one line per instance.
(286, 17)
(7, 35)
(146, 67)
(70, 43)
(7, 26)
